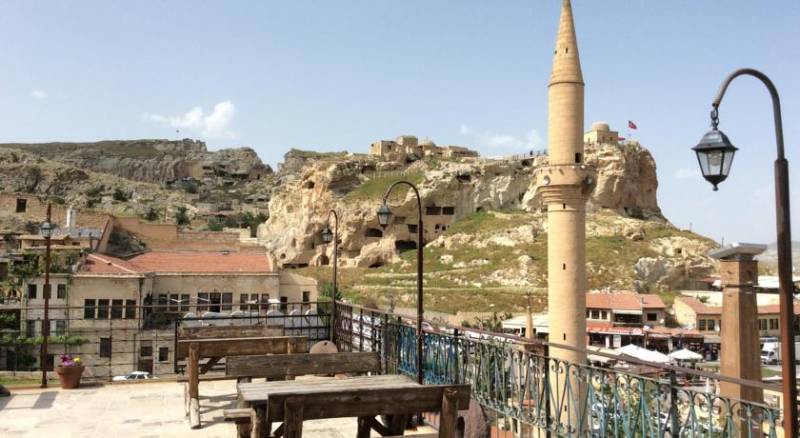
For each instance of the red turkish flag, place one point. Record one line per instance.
(632, 125)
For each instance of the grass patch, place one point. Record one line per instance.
(375, 187)
(17, 381)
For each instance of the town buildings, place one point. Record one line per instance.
(408, 148)
(119, 313)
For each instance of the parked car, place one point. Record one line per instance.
(135, 375)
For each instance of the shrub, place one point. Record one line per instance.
(181, 218)
(119, 195)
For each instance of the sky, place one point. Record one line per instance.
(338, 75)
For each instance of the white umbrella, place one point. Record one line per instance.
(685, 354)
(643, 354)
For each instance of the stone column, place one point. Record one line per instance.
(739, 344)
(564, 185)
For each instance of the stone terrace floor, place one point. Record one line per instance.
(151, 409)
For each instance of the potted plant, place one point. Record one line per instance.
(70, 371)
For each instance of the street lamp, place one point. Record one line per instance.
(384, 215)
(328, 237)
(716, 151)
(46, 230)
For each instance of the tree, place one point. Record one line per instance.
(119, 195)
(181, 218)
(151, 214)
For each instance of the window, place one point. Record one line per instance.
(30, 328)
(61, 291)
(116, 309)
(163, 354)
(264, 302)
(227, 301)
(61, 327)
(652, 317)
(603, 314)
(762, 324)
(130, 309)
(284, 305)
(162, 303)
(595, 314)
(215, 298)
(22, 205)
(773, 324)
(701, 325)
(105, 346)
(174, 300)
(412, 228)
(306, 296)
(89, 309)
(711, 325)
(102, 309)
(184, 303)
(448, 211)
(146, 349)
(31, 291)
(243, 302)
(202, 302)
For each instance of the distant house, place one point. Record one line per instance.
(625, 309)
(707, 319)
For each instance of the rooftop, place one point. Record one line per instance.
(219, 262)
(624, 301)
(704, 309)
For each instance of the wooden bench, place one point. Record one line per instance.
(215, 349)
(396, 397)
(279, 366)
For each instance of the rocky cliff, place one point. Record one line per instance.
(155, 161)
(495, 206)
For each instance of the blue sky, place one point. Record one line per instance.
(338, 75)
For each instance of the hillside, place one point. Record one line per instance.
(484, 231)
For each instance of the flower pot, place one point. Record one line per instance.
(70, 377)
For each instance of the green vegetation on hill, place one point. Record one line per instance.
(375, 187)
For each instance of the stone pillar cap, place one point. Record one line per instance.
(738, 251)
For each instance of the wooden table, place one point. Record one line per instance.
(215, 349)
(366, 397)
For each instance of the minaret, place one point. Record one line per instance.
(565, 185)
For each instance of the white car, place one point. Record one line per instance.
(135, 375)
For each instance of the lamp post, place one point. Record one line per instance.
(384, 214)
(328, 237)
(715, 156)
(46, 230)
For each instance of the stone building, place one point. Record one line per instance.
(601, 133)
(123, 308)
(707, 318)
(625, 309)
(408, 148)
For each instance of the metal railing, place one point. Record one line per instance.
(528, 392)
(114, 340)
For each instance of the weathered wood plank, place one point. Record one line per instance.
(449, 414)
(210, 364)
(215, 332)
(370, 402)
(258, 422)
(281, 365)
(223, 347)
(257, 392)
(294, 407)
(192, 364)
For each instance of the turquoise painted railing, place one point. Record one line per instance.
(536, 392)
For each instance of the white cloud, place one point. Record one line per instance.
(39, 94)
(530, 141)
(465, 129)
(215, 125)
(686, 173)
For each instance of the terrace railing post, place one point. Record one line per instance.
(385, 343)
(673, 404)
(455, 356)
(361, 329)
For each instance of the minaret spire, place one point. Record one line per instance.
(565, 184)
(566, 60)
